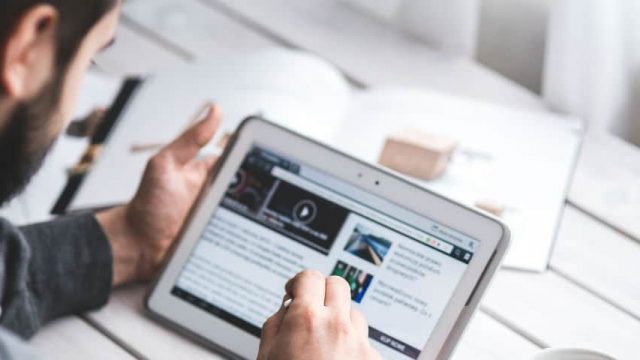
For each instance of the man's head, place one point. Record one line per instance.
(45, 48)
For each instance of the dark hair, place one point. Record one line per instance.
(77, 17)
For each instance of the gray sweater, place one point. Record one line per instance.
(49, 270)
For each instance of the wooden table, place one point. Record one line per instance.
(589, 297)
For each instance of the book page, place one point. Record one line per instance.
(522, 160)
(296, 90)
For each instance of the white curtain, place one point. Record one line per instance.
(592, 66)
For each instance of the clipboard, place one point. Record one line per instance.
(79, 172)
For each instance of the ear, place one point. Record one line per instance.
(27, 56)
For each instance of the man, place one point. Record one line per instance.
(69, 265)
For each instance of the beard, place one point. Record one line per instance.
(26, 140)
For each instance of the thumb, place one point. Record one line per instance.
(186, 146)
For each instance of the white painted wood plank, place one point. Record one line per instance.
(375, 53)
(599, 258)
(487, 339)
(195, 27)
(124, 318)
(134, 54)
(607, 182)
(72, 338)
(559, 314)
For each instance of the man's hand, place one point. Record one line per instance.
(142, 231)
(319, 323)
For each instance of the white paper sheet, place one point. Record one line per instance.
(523, 160)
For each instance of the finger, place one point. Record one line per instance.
(359, 322)
(209, 162)
(270, 330)
(187, 145)
(338, 294)
(373, 354)
(307, 286)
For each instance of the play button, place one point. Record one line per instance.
(304, 211)
(237, 181)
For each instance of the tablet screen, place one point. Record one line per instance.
(280, 216)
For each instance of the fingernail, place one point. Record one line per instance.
(207, 112)
(287, 303)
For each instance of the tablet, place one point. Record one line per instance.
(417, 263)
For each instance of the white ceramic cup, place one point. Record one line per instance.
(570, 354)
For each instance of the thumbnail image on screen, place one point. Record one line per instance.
(367, 246)
(294, 212)
(358, 280)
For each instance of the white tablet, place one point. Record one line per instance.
(417, 263)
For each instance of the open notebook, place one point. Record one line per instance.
(521, 159)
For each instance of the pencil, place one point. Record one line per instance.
(137, 147)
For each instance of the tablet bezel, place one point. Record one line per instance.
(223, 336)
